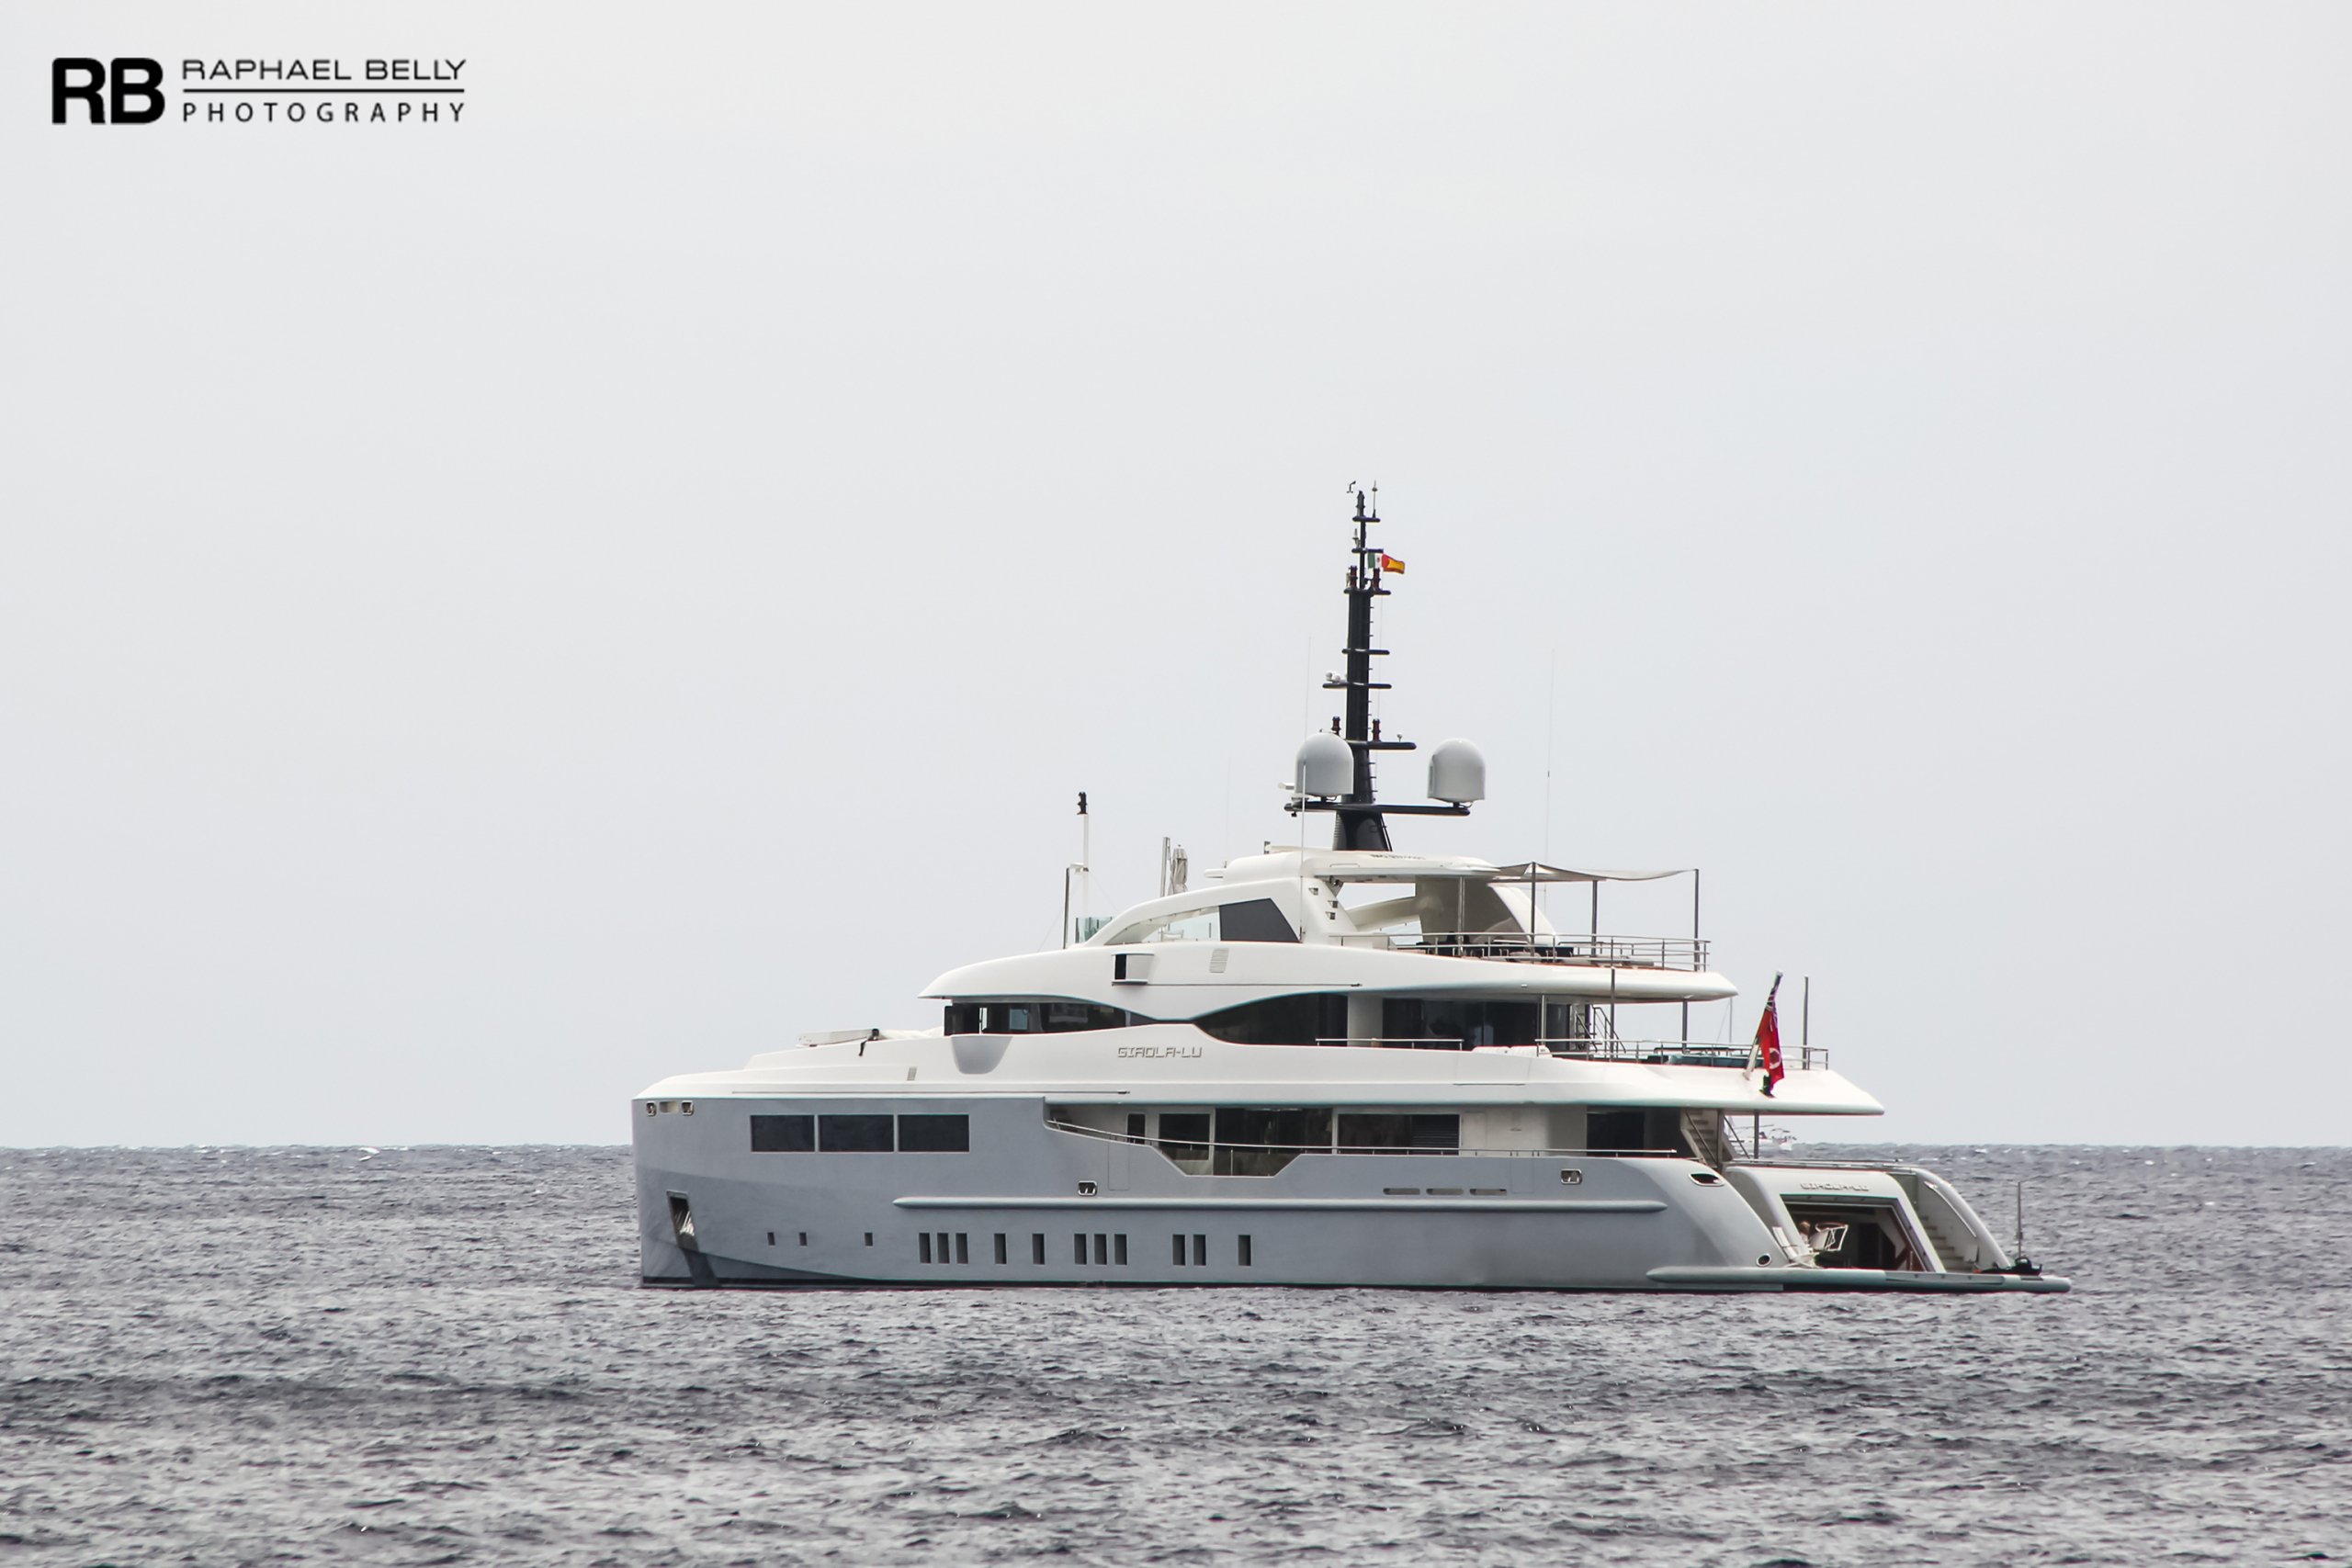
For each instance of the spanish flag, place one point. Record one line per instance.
(1390, 563)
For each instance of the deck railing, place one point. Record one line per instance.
(1599, 1048)
(1544, 947)
(1164, 1144)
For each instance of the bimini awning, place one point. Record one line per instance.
(1536, 871)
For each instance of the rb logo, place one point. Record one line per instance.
(131, 96)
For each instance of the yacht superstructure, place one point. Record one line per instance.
(1348, 1065)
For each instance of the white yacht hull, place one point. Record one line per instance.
(1032, 1205)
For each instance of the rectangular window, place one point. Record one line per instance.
(1078, 1247)
(963, 1248)
(770, 1238)
(1184, 1135)
(869, 1238)
(935, 1134)
(1200, 1252)
(1245, 1251)
(783, 1135)
(1138, 1122)
(922, 1242)
(1179, 1250)
(804, 1238)
(1037, 1248)
(1102, 1249)
(943, 1247)
(1382, 1132)
(999, 1247)
(1120, 1256)
(854, 1134)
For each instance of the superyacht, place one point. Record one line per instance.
(1353, 1066)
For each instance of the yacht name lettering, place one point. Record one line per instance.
(1160, 1051)
(1833, 1187)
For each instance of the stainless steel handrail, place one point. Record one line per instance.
(1109, 1137)
(1542, 947)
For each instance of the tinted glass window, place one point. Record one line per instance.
(1281, 1021)
(935, 1134)
(1254, 920)
(855, 1134)
(1072, 1017)
(783, 1134)
(1031, 1015)
(1390, 1129)
(1184, 1135)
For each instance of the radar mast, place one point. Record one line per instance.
(1359, 819)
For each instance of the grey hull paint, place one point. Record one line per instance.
(1649, 1224)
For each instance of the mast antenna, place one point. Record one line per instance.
(1360, 819)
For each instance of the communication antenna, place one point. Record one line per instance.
(1077, 869)
(1359, 818)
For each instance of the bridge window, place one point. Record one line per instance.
(1033, 1015)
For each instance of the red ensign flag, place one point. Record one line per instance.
(1768, 1038)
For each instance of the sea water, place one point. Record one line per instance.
(443, 1355)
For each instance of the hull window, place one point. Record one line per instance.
(1119, 1250)
(935, 1134)
(855, 1134)
(963, 1248)
(783, 1135)
(922, 1246)
(1243, 1251)
(1179, 1250)
(999, 1247)
(1077, 1248)
(1037, 1250)
(1200, 1252)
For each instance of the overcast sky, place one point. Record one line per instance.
(495, 615)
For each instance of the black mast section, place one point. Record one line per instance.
(1357, 824)
(1361, 821)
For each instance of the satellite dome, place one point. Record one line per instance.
(1457, 772)
(1327, 765)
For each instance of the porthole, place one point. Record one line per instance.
(686, 1107)
(651, 1109)
(1086, 1190)
(1572, 1178)
(1706, 1177)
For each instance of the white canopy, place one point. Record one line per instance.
(1536, 871)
